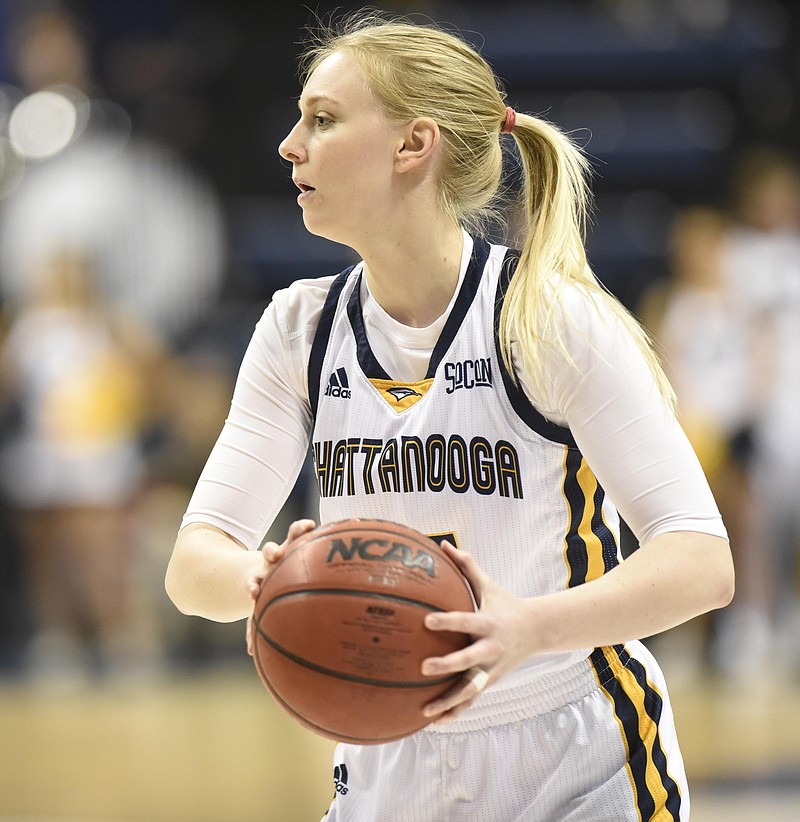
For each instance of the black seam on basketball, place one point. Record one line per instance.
(304, 720)
(417, 603)
(363, 680)
(397, 600)
(330, 732)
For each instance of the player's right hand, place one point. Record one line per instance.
(273, 554)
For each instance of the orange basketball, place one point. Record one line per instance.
(339, 635)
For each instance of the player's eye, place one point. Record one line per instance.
(321, 120)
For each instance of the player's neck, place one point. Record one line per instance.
(413, 278)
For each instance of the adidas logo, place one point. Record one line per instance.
(338, 386)
(340, 779)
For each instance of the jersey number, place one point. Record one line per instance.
(449, 536)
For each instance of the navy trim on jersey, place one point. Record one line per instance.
(466, 296)
(516, 395)
(366, 359)
(321, 336)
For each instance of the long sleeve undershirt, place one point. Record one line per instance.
(606, 396)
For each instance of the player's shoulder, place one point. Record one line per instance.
(305, 290)
(297, 307)
(585, 321)
(576, 303)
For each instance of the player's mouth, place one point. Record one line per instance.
(305, 190)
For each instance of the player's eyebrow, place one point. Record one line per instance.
(308, 102)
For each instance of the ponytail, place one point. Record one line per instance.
(553, 255)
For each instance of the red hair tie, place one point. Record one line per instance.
(510, 121)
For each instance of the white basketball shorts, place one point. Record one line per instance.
(595, 741)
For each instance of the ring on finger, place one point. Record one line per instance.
(478, 677)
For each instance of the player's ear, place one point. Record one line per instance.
(420, 140)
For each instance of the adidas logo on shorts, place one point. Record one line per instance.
(338, 385)
(340, 779)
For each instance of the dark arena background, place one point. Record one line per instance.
(139, 174)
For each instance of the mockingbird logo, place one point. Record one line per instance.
(338, 385)
(401, 392)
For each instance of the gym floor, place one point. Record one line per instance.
(213, 747)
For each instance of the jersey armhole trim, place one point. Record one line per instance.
(514, 391)
(320, 344)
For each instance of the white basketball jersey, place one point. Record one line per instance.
(461, 454)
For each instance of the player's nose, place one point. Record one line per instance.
(291, 147)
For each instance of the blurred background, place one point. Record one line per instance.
(145, 221)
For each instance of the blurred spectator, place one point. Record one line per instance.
(153, 226)
(763, 262)
(714, 359)
(78, 374)
(96, 223)
(703, 337)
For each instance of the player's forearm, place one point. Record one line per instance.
(666, 582)
(207, 574)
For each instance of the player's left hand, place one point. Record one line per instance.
(273, 554)
(501, 630)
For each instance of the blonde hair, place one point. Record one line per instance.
(423, 71)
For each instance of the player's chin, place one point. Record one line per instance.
(316, 224)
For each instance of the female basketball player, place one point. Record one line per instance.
(503, 399)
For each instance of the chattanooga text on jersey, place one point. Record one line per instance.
(359, 465)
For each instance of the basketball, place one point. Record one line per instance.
(338, 629)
